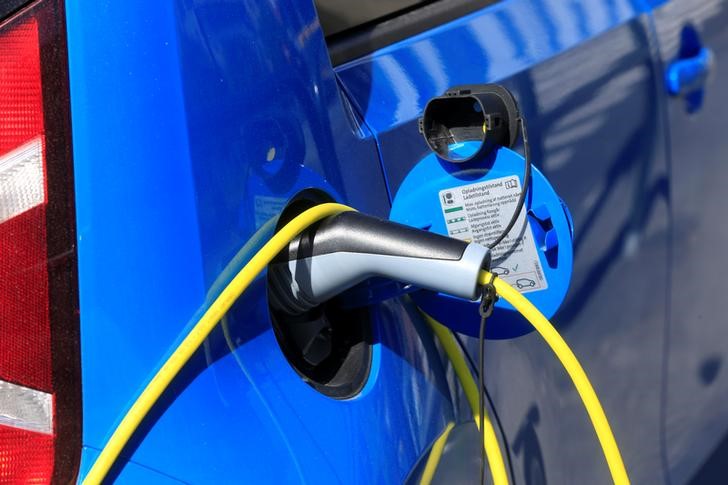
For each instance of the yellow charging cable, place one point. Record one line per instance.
(199, 333)
(433, 459)
(490, 443)
(171, 367)
(573, 368)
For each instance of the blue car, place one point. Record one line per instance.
(146, 146)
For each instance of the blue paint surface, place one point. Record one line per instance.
(192, 125)
(696, 385)
(587, 78)
(194, 121)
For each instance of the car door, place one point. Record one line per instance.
(693, 42)
(587, 77)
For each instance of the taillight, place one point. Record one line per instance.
(39, 351)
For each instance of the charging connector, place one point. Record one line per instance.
(348, 248)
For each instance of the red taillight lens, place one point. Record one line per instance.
(27, 457)
(21, 99)
(25, 346)
(39, 365)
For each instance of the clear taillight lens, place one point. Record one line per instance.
(39, 364)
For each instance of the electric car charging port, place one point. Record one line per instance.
(328, 346)
(470, 121)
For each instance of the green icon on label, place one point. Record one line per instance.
(453, 209)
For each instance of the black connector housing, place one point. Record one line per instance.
(485, 113)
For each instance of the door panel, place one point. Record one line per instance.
(697, 389)
(586, 77)
(193, 122)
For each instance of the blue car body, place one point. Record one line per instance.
(194, 121)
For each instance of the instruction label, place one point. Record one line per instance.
(266, 208)
(479, 212)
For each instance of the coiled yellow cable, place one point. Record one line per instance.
(452, 350)
(199, 333)
(573, 368)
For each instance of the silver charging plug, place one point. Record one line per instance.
(348, 248)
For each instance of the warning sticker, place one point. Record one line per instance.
(266, 208)
(479, 212)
